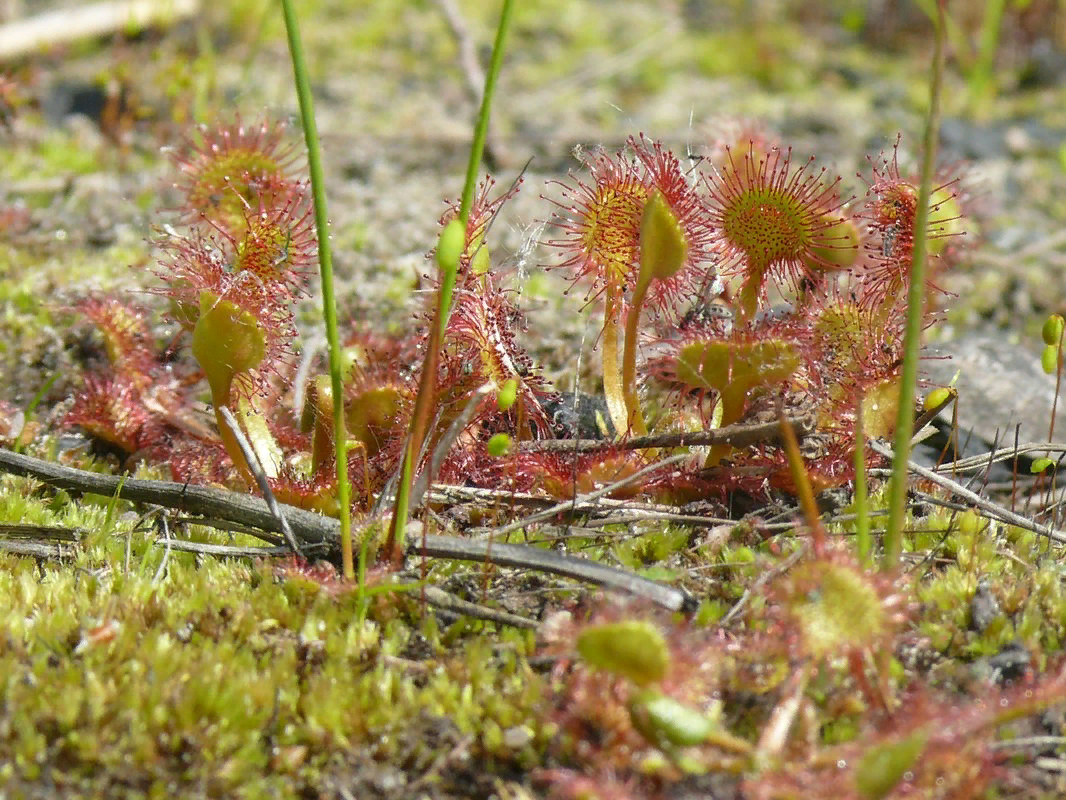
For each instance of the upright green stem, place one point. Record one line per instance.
(424, 403)
(325, 266)
(613, 388)
(915, 308)
(983, 73)
(481, 132)
(629, 359)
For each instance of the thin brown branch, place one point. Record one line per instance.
(1002, 454)
(55, 533)
(314, 529)
(567, 506)
(235, 507)
(21, 547)
(602, 511)
(228, 551)
(261, 479)
(739, 435)
(438, 598)
(535, 558)
(999, 512)
(232, 527)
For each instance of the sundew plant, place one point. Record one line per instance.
(758, 323)
(731, 292)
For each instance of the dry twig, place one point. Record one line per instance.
(63, 26)
(313, 529)
(994, 509)
(739, 435)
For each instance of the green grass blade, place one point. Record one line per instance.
(915, 305)
(32, 407)
(325, 266)
(424, 402)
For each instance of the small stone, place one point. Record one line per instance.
(517, 737)
(984, 607)
(1007, 665)
(1017, 140)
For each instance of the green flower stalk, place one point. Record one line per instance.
(425, 398)
(663, 250)
(638, 229)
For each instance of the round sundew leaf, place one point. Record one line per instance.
(843, 614)
(607, 226)
(264, 250)
(632, 648)
(766, 227)
(896, 204)
(232, 169)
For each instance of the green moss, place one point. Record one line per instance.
(710, 611)
(185, 675)
(651, 548)
(840, 729)
(774, 55)
(1033, 603)
(57, 154)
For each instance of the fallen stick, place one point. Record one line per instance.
(738, 435)
(999, 512)
(315, 529)
(27, 36)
